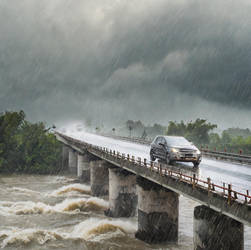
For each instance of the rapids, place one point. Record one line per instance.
(53, 212)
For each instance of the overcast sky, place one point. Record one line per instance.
(107, 61)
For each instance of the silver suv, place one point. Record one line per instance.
(174, 148)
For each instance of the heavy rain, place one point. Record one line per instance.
(85, 84)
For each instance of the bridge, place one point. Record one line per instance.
(233, 157)
(153, 190)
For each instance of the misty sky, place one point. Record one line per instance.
(107, 61)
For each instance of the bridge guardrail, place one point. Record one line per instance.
(227, 156)
(210, 153)
(222, 198)
(196, 182)
(226, 190)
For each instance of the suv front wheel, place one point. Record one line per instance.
(196, 164)
(168, 160)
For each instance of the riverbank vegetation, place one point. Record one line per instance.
(27, 147)
(200, 132)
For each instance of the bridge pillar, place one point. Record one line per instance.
(122, 193)
(65, 157)
(158, 212)
(99, 178)
(72, 161)
(81, 165)
(213, 230)
(85, 162)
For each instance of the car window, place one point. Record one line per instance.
(177, 141)
(156, 140)
(163, 141)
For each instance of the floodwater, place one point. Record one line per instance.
(55, 212)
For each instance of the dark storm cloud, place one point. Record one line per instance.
(114, 60)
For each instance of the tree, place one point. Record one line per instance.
(197, 131)
(225, 138)
(130, 125)
(27, 147)
(40, 151)
(156, 129)
(144, 135)
(10, 125)
(234, 132)
(214, 139)
(97, 129)
(175, 128)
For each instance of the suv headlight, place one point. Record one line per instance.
(198, 152)
(175, 150)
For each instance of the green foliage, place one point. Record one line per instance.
(197, 131)
(138, 129)
(156, 129)
(135, 127)
(230, 143)
(234, 132)
(178, 129)
(27, 147)
(214, 139)
(225, 138)
(10, 126)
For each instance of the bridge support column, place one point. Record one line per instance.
(85, 162)
(72, 161)
(99, 178)
(65, 157)
(81, 162)
(122, 193)
(213, 230)
(158, 211)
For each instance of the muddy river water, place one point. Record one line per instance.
(55, 212)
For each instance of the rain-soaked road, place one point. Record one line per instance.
(219, 171)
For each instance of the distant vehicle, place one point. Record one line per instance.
(174, 148)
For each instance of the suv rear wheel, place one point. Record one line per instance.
(152, 158)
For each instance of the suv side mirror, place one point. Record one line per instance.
(162, 144)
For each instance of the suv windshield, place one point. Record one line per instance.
(177, 141)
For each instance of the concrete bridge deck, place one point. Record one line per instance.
(232, 157)
(219, 198)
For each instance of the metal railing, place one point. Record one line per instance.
(226, 190)
(210, 153)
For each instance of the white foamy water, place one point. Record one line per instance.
(72, 188)
(62, 179)
(60, 215)
(93, 229)
(24, 236)
(67, 206)
(23, 190)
